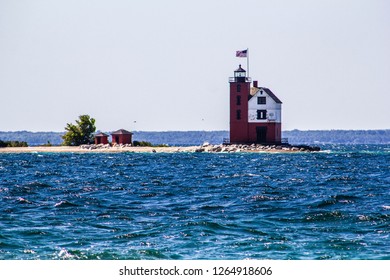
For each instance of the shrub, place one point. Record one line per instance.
(4, 144)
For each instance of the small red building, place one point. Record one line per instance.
(101, 138)
(121, 136)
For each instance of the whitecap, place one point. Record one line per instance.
(64, 203)
(27, 251)
(363, 218)
(386, 207)
(64, 254)
(23, 200)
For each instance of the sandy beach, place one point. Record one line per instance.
(68, 149)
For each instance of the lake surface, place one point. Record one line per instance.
(334, 204)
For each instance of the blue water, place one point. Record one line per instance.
(329, 205)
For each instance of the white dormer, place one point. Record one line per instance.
(264, 106)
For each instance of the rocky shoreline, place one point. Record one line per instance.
(208, 148)
(205, 148)
(235, 148)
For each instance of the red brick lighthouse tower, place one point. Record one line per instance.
(255, 113)
(239, 95)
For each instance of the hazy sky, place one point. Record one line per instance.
(164, 65)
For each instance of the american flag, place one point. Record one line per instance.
(241, 53)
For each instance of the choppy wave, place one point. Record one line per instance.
(329, 205)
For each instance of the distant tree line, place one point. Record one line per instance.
(181, 138)
(338, 136)
(32, 138)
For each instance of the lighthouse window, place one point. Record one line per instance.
(238, 114)
(238, 88)
(261, 114)
(238, 100)
(261, 100)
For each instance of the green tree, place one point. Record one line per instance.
(81, 132)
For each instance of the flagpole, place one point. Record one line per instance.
(247, 60)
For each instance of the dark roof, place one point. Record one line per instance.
(273, 96)
(270, 93)
(101, 134)
(240, 69)
(121, 131)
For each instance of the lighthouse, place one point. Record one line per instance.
(239, 95)
(255, 112)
